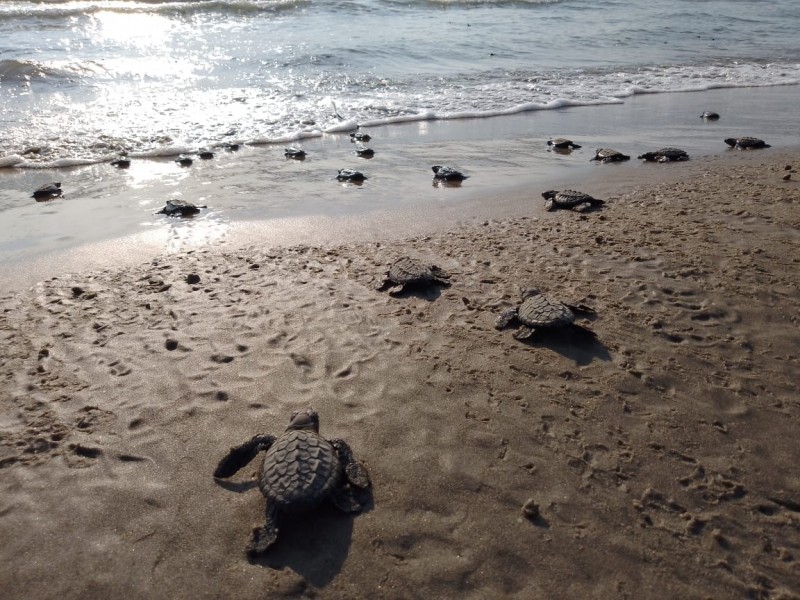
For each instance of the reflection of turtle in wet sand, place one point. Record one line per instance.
(607, 155)
(360, 136)
(710, 115)
(447, 173)
(665, 155)
(746, 143)
(406, 271)
(47, 191)
(570, 200)
(295, 153)
(300, 471)
(562, 144)
(180, 208)
(350, 175)
(536, 311)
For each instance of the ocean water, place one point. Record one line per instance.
(83, 80)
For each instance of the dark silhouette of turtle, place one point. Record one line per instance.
(47, 191)
(232, 147)
(665, 155)
(295, 153)
(205, 154)
(184, 161)
(562, 144)
(408, 272)
(351, 175)
(536, 311)
(360, 136)
(746, 143)
(123, 162)
(710, 115)
(569, 199)
(364, 151)
(607, 155)
(301, 470)
(444, 173)
(180, 208)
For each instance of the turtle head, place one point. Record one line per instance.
(305, 419)
(730, 141)
(530, 292)
(436, 168)
(549, 194)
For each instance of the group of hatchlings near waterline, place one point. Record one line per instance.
(442, 174)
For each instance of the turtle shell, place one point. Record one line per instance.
(300, 469)
(561, 143)
(747, 142)
(407, 270)
(609, 155)
(179, 208)
(665, 155)
(570, 198)
(446, 173)
(539, 311)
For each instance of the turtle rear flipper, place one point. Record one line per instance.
(354, 471)
(505, 318)
(263, 537)
(239, 456)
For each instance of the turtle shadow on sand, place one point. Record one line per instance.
(574, 342)
(314, 545)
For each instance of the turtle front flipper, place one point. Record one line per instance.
(583, 207)
(523, 333)
(239, 456)
(263, 537)
(440, 275)
(580, 308)
(505, 318)
(355, 472)
(384, 283)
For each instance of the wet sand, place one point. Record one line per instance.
(661, 452)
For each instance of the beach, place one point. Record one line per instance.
(656, 440)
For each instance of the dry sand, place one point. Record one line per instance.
(662, 455)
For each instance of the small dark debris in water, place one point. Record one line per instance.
(193, 279)
(171, 344)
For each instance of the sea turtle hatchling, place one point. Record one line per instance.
(360, 136)
(608, 155)
(350, 175)
(364, 151)
(710, 115)
(746, 143)
(569, 199)
(47, 191)
(562, 144)
(301, 470)
(180, 208)
(295, 153)
(406, 271)
(444, 173)
(665, 155)
(537, 311)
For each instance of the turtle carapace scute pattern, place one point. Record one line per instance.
(301, 470)
(746, 143)
(47, 191)
(294, 152)
(665, 155)
(408, 272)
(536, 312)
(710, 115)
(445, 173)
(180, 208)
(570, 200)
(609, 155)
(351, 175)
(562, 144)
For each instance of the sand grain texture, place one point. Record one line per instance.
(662, 454)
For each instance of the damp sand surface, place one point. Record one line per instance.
(656, 457)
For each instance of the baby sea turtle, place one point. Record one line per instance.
(123, 162)
(350, 175)
(360, 136)
(746, 143)
(364, 151)
(607, 155)
(180, 208)
(47, 191)
(205, 154)
(562, 144)
(406, 271)
(569, 199)
(447, 174)
(665, 155)
(710, 115)
(301, 470)
(184, 161)
(536, 311)
(232, 147)
(295, 153)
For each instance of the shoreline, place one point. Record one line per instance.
(660, 451)
(504, 156)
